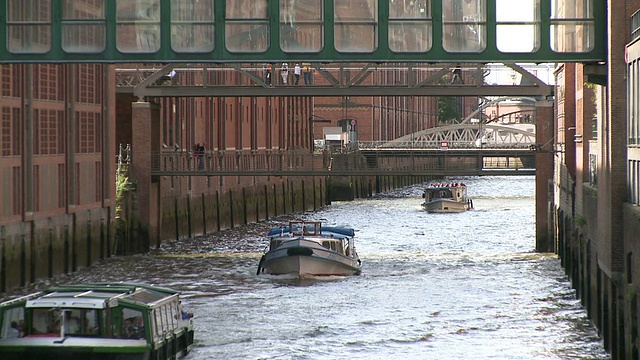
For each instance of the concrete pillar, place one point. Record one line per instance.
(544, 175)
(145, 141)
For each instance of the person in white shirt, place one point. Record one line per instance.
(284, 73)
(296, 73)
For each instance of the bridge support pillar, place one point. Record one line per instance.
(544, 176)
(145, 130)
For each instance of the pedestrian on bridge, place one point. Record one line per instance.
(296, 73)
(284, 73)
(306, 73)
(201, 157)
(267, 75)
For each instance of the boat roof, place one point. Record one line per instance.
(336, 231)
(98, 296)
(445, 186)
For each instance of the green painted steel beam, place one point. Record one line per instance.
(320, 91)
(51, 31)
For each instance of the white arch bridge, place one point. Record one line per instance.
(462, 136)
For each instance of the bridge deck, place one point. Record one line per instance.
(370, 162)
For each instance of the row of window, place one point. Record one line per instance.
(49, 130)
(302, 26)
(164, 320)
(633, 118)
(633, 108)
(45, 80)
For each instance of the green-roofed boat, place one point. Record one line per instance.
(114, 321)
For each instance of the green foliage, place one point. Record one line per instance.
(123, 185)
(448, 108)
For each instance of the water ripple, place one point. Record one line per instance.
(450, 286)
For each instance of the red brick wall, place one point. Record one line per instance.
(64, 142)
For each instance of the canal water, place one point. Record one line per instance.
(433, 286)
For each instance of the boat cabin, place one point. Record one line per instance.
(338, 239)
(456, 192)
(308, 248)
(150, 316)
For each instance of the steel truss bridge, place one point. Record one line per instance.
(330, 79)
(508, 151)
(465, 136)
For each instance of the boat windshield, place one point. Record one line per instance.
(442, 193)
(305, 228)
(64, 322)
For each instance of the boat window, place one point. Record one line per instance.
(310, 229)
(326, 244)
(172, 316)
(132, 324)
(153, 325)
(334, 246)
(45, 321)
(13, 323)
(275, 244)
(81, 322)
(165, 319)
(160, 325)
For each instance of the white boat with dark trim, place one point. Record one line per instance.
(446, 198)
(96, 321)
(307, 248)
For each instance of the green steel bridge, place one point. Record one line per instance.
(252, 31)
(347, 43)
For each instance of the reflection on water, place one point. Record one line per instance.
(433, 286)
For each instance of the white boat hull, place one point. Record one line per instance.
(445, 206)
(304, 257)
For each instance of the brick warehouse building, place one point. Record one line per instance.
(238, 128)
(596, 178)
(58, 130)
(248, 127)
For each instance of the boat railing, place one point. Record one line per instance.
(11, 302)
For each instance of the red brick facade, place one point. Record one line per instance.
(53, 135)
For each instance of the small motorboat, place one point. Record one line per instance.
(446, 198)
(96, 321)
(307, 248)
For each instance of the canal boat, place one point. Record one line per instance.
(96, 321)
(446, 198)
(307, 248)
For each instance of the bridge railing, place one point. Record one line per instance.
(238, 161)
(435, 145)
(281, 163)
